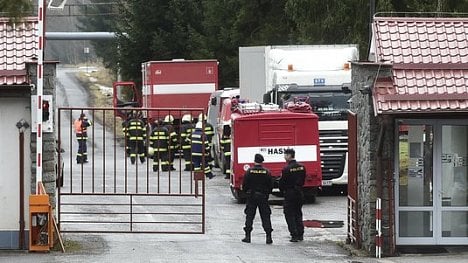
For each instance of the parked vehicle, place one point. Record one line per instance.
(322, 74)
(175, 84)
(219, 120)
(269, 130)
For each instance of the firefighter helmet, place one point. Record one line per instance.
(168, 119)
(187, 118)
(199, 125)
(201, 117)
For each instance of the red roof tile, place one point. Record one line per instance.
(421, 40)
(422, 90)
(17, 47)
(430, 65)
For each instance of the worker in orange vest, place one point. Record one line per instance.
(81, 124)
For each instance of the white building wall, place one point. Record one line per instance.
(12, 110)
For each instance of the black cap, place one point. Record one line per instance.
(258, 158)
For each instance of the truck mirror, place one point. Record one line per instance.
(213, 101)
(266, 98)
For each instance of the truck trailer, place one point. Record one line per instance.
(175, 84)
(269, 130)
(320, 73)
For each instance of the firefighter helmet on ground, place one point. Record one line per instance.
(187, 118)
(168, 119)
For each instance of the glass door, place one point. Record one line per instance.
(415, 200)
(431, 189)
(452, 193)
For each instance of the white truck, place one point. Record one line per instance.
(216, 117)
(320, 74)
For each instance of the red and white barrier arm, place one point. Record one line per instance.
(40, 90)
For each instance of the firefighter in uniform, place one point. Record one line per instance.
(173, 144)
(81, 124)
(136, 131)
(291, 184)
(209, 132)
(186, 129)
(226, 149)
(257, 184)
(159, 141)
(125, 123)
(200, 149)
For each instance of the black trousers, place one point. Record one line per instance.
(159, 158)
(188, 159)
(259, 200)
(292, 209)
(82, 154)
(137, 149)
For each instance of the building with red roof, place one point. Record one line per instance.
(408, 130)
(18, 50)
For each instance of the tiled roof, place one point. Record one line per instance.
(430, 65)
(421, 40)
(17, 47)
(422, 91)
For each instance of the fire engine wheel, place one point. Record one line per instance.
(239, 195)
(310, 198)
(310, 195)
(215, 157)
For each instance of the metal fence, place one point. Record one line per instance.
(109, 193)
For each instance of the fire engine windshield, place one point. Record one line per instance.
(327, 105)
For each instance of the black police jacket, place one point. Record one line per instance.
(292, 176)
(257, 179)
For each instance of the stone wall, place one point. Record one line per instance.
(49, 138)
(369, 128)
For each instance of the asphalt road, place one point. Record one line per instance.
(224, 220)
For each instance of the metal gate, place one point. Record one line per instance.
(353, 215)
(109, 194)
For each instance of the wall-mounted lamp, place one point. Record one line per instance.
(22, 124)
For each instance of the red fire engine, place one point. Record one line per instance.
(268, 130)
(175, 84)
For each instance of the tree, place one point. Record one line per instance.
(100, 18)
(16, 9)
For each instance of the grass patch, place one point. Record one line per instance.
(70, 246)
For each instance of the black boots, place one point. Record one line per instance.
(268, 238)
(246, 239)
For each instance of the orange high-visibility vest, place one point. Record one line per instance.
(78, 126)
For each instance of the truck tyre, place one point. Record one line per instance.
(214, 155)
(310, 195)
(239, 195)
(310, 199)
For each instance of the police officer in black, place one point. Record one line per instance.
(257, 184)
(291, 184)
